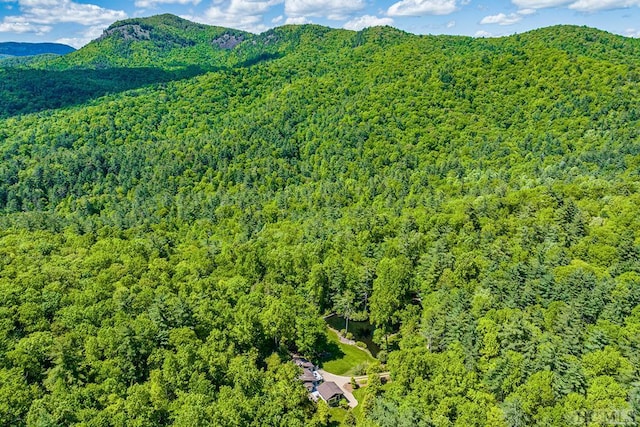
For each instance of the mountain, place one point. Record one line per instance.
(165, 41)
(130, 53)
(165, 246)
(31, 49)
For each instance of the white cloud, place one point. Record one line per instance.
(502, 19)
(365, 21)
(482, 33)
(297, 20)
(579, 5)
(632, 32)
(451, 24)
(12, 25)
(39, 16)
(423, 7)
(154, 3)
(331, 9)
(251, 6)
(242, 14)
(595, 5)
(85, 37)
(510, 19)
(67, 11)
(540, 4)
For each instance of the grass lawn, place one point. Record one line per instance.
(343, 358)
(359, 395)
(337, 415)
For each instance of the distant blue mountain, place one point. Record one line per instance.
(29, 49)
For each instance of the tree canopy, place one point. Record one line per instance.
(165, 241)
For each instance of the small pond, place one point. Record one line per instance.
(362, 331)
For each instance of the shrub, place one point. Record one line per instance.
(361, 369)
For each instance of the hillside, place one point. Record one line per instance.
(31, 49)
(162, 41)
(130, 54)
(163, 245)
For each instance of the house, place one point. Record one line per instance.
(303, 363)
(310, 379)
(310, 376)
(330, 393)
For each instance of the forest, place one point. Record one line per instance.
(169, 237)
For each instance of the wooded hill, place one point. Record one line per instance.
(166, 239)
(30, 49)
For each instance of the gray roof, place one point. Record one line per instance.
(302, 362)
(307, 375)
(329, 390)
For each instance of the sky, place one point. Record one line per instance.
(76, 22)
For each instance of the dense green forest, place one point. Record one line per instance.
(167, 238)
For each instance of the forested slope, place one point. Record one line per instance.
(477, 199)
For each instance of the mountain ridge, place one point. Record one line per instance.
(158, 39)
(31, 49)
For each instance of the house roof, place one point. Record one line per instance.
(307, 375)
(302, 362)
(328, 390)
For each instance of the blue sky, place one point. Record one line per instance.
(76, 22)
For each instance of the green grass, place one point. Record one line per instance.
(359, 395)
(337, 416)
(344, 358)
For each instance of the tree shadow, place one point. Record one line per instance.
(261, 57)
(25, 91)
(329, 351)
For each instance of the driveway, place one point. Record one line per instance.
(341, 382)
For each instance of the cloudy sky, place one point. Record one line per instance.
(76, 22)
